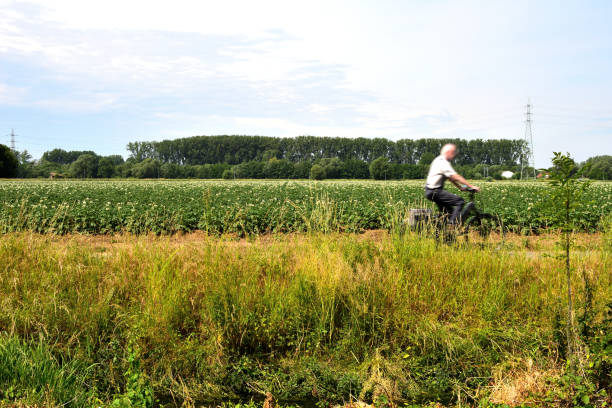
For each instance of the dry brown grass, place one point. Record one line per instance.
(541, 242)
(513, 383)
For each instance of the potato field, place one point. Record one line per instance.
(253, 207)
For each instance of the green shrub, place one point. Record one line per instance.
(317, 172)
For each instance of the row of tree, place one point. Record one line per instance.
(334, 168)
(233, 149)
(87, 164)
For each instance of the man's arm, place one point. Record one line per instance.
(458, 180)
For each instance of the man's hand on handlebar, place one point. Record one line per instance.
(470, 189)
(462, 184)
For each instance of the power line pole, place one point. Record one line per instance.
(13, 140)
(528, 159)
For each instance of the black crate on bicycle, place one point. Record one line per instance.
(418, 218)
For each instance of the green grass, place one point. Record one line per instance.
(253, 207)
(31, 373)
(324, 317)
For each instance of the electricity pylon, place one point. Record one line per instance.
(528, 159)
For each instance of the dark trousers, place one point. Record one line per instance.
(448, 203)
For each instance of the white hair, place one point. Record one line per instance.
(447, 147)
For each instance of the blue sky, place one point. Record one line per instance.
(91, 75)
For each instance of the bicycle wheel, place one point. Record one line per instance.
(484, 224)
(442, 233)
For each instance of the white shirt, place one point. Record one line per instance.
(439, 171)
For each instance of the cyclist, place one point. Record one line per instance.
(439, 171)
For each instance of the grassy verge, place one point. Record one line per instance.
(308, 317)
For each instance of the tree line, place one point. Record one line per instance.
(236, 149)
(268, 159)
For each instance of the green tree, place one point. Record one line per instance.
(24, 157)
(301, 170)
(86, 166)
(567, 196)
(379, 169)
(317, 172)
(355, 169)
(26, 164)
(170, 170)
(115, 159)
(414, 171)
(270, 154)
(600, 167)
(427, 158)
(125, 169)
(333, 167)
(61, 156)
(148, 168)
(278, 169)
(251, 169)
(106, 167)
(8, 162)
(228, 174)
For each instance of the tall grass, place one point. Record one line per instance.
(607, 229)
(30, 372)
(325, 316)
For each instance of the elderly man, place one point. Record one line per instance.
(439, 171)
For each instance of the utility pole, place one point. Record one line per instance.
(529, 159)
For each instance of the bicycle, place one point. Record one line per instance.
(471, 219)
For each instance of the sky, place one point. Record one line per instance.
(95, 75)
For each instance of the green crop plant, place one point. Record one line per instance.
(254, 207)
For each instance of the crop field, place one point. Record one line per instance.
(253, 207)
